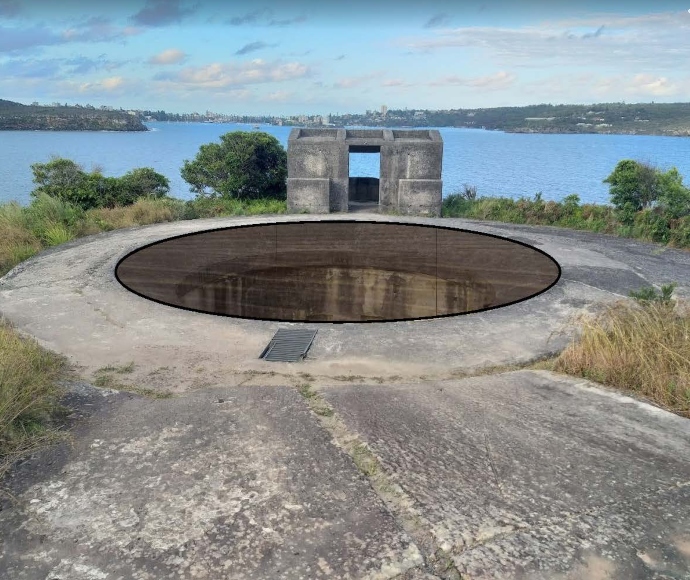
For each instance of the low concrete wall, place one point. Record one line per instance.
(420, 197)
(308, 194)
(364, 189)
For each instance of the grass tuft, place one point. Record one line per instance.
(641, 346)
(29, 394)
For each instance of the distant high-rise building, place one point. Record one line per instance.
(325, 119)
(384, 110)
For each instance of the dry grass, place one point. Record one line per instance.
(638, 346)
(29, 395)
(143, 212)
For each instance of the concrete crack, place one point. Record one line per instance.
(436, 560)
(490, 459)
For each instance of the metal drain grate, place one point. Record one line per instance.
(289, 345)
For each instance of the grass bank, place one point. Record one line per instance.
(649, 225)
(25, 231)
(29, 395)
(639, 346)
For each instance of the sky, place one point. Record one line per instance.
(306, 57)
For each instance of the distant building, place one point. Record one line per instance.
(326, 120)
(384, 110)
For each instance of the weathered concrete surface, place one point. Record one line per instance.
(534, 475)
(410, 181)
(521, 475)
(228, 483)
(69, 300)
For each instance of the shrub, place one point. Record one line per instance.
(469, 192)
(455, 205)
(140, 183)
(649, 294)
(674, 198)
(552, 211)
(65, 180)
(653, 225)
(680, 232)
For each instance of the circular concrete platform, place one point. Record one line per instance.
(337, 271)
(251, 473)
(69, 299)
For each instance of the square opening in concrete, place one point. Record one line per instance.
(364, 180)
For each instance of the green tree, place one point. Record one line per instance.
(633, 186)
(244, 165)
(674, 197)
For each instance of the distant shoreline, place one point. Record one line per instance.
(545, 131)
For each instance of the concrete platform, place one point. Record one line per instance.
(515, 475)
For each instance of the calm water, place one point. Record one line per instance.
(505, 164)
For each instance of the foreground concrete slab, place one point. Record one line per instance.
(524, 475)
(229, 483)
(533, 475)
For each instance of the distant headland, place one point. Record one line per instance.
(666, 119)
(56, 117)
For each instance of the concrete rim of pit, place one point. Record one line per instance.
(69, 299)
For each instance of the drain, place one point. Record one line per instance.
(289, 345)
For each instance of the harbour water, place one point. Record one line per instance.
(496, 163)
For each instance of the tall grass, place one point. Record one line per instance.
(640, 345)
(29, 395)
(206, 208)
(48, 221)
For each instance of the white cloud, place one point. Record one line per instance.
(661, 41)
(278, 97)
(654, 86)
(98, 29)
(352, 82)
(588, 87)
(109, 85)
(227, 75)
(170, 56)
(396, 83)
(497, 81)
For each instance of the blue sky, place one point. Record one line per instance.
(301, 57)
